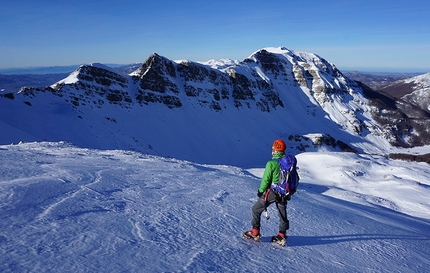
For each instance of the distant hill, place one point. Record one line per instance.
(415, 90)
(39, 70)
(378, 79)
(11, 80)
(12, 83)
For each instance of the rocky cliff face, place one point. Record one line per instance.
(160, 80)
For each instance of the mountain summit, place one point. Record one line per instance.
(224, 112)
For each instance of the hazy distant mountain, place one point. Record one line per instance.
(11, 80)
(378, 79)
(42, 70)
(12, 83)
(215, 112)
(414, 90)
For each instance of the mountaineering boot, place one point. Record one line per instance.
(253, 234)
(280, 239)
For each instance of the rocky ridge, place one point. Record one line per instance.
(275, 82)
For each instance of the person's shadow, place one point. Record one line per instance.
(334, 239)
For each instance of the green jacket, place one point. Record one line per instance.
(271, 173)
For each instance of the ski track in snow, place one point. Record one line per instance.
(66, 209)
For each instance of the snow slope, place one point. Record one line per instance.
(69, 209)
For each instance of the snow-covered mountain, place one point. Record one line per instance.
(219, 112)
(376, 80)
(415, 90)
(421, 94)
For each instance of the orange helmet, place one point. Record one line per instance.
(279, 145)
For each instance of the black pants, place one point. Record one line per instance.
(281, 205)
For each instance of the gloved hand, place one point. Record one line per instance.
(259, 194)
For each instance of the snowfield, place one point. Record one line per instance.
(70, 209)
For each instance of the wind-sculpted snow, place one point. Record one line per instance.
(68, 209)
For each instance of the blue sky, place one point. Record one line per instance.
(391, 35)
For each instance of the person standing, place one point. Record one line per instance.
(268, 194)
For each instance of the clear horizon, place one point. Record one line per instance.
(378, 36)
